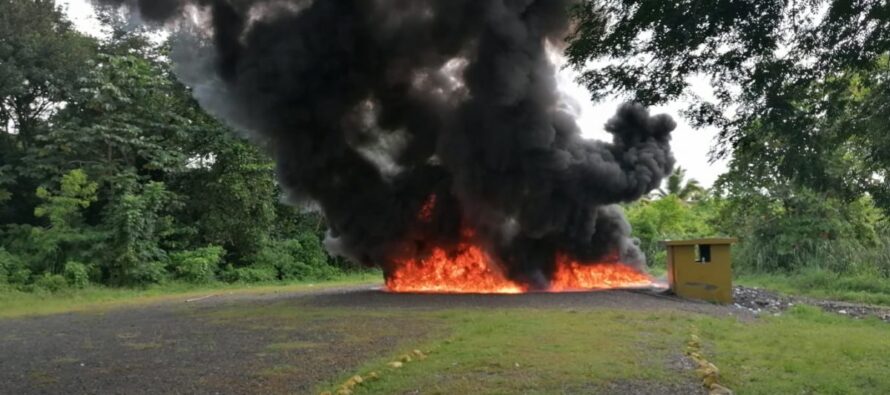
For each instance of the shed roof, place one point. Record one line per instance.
(707, 241)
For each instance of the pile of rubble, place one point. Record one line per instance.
(761, 301)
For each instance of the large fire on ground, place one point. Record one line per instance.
(471, 270)
(468, 269)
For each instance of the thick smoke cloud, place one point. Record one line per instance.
(375, 109)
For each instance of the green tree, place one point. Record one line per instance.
(66, 236)
(112, 173)
(669, 218)
(677, 185)
(136, 224)
(41, 60)
(790, 80)
(787, 229)
(126, 119)
(235, 195)
(63, 209)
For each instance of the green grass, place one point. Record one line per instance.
(553, 352)
(806, 351)
(20, 304)
(536, 351)
(861, 288)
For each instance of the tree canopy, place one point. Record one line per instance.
(799, 93)
(798, 87)
(684, 189)
(111, 173)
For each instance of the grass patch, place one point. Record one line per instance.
(535, 351)
(21, 304)
(545, 352)
(143, 346)
(818, 283)
(41, 378)
(806, 351)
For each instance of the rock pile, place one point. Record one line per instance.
(761, 301)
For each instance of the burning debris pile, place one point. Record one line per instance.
(431, 133)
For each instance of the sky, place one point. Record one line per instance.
(691, 146)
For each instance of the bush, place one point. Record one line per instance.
(77, 274)
(197, 266)
(147, 273)
(665, 219)
(12, 269)
(826, 284)
(136, 223)
(51, 282)
(844, 256)
(250, 274)
(296, 259)
(6, 261)
(802, 229)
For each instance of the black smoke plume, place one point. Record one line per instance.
(374, 109)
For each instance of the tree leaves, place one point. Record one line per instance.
(792, 80)
(123, 170)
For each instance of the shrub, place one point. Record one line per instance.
(668, 218)
(6, 261)
(197, 266)
(136, 223)
(67, 236)
(296, 259)
(77, 274)
(253, 274)
(793, 230)
(51, 282)
(146, 273)
(20, 276)
(12, 269)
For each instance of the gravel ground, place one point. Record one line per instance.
(372, 298)
(211, 347)
(186, 349)
(761, 301)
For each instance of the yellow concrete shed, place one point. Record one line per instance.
(701, 268)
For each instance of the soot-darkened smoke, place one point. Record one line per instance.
(376, 109)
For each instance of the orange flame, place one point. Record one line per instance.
(470, 270)
(573, 276)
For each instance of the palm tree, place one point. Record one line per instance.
(688, 191)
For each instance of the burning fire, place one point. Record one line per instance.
(573, 276)
(470, 270)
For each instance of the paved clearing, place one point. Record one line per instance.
(234, 344)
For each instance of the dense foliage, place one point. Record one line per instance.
(781, 231)
(110, 173)
(799, 88)
(799, 93)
